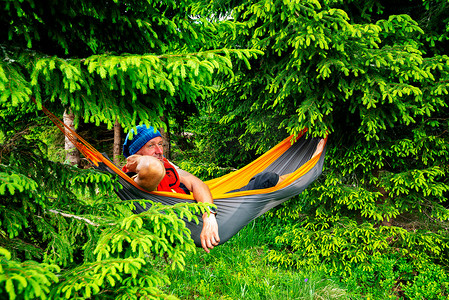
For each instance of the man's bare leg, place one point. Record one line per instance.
(318, 150)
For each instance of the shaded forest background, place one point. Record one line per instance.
(239, 76)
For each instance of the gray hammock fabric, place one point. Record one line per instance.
(234, 212)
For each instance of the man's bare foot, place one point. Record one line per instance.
(319, 148)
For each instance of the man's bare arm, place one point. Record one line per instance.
(201, 193)
(150, 171)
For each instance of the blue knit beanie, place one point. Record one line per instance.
(144, 134)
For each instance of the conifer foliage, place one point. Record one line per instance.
(372, 74)
(63, 233)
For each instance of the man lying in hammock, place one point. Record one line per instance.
(149, 168)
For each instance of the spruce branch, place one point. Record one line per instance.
(90, 222)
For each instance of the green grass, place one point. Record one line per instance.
(239, 270)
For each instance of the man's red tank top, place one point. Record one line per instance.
(171, 180)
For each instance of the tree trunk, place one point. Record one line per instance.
(72, 154)
(166, 137)
(117, 142)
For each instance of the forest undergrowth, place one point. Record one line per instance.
(239, 269)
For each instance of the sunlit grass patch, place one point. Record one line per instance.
(239, 270)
